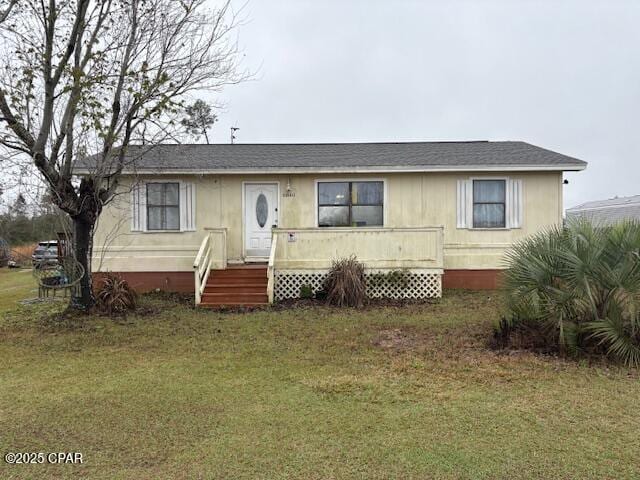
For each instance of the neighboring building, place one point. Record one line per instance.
(607, 212)
(272, 217)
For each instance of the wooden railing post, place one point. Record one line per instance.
(197, 282)
(271, 267)
(224, 249)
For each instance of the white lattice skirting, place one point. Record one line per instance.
(414, 284)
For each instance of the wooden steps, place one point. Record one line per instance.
(243, 285)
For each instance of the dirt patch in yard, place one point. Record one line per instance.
(448, 343)
(396, 339)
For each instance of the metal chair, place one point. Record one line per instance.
(63, 275)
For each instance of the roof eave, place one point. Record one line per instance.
(363, 169)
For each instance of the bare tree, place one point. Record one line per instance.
(6, 8)
(95, 76)
(199, 118)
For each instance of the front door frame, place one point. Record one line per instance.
(244, 223)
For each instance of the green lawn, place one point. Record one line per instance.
(15, 285)
(310, 393)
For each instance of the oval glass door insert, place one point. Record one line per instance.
(262, 210)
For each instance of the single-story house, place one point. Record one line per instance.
(251, 223)
(607, 212)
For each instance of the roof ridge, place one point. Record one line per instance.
(415, 142)
(470, 154)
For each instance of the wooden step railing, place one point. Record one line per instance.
(214, 242)
(271, 267)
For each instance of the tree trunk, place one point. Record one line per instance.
(83, 232)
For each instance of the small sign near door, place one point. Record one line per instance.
(291, 237)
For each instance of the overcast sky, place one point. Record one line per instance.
(564, 75)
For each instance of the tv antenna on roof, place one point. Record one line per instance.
(233, 133)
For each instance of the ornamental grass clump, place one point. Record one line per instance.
(576, 289)
(345, 285)
(116, 297)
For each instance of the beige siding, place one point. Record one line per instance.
(412, 200)
(383, 248)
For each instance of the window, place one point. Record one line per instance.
(489, 200)
(356, 204)
(163, 206)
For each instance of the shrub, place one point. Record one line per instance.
(21, 254)
(345, 285)
(115, 296)
(321, 295)
(306, 291)
(392, 277)
(578, 287)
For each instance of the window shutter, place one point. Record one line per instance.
(138, 207)
(464, 204)
(514, 203)
(187, 206)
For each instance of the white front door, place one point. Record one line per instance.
(260, 215)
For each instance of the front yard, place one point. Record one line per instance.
(386, 392)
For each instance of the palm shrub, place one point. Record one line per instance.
(116, 297)
(578, 287)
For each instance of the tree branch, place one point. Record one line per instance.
(4, 14)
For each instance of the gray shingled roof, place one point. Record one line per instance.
(607, 212)
(476, 155)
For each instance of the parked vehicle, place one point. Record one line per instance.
(45, 253)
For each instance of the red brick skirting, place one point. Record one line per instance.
(471, 279)
(184, 282)
(149, 281)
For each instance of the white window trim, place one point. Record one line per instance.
(514, 203)
(181, 186)
(506, 205)
(357, 179)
